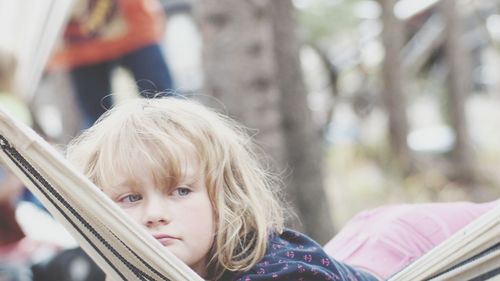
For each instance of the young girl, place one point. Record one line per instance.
(190, 177)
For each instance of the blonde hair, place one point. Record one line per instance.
(159, 133)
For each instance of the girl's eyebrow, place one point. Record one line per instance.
(190, 173)
(121, 187)
(125, 183)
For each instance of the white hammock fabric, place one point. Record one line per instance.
(123, 249)
(29, 30)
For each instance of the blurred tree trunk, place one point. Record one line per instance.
(239, 68)
(393, 96)
(428, 39)
(302, 137)
(458, 87)
(251, 64)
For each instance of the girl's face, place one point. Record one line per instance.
(180, 217)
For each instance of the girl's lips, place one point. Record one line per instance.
(165, 239)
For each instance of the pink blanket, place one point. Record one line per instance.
(384, 240)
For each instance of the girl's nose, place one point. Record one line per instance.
(156, 213)
(155, 222)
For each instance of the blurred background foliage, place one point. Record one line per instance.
(360, 173)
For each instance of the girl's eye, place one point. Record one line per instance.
(182, 191)
(131, 198)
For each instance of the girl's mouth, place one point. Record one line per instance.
(165, 239)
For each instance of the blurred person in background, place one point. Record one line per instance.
(12, 261)
(15, 248)
(23, 257)
(104, 34)
(10, 187)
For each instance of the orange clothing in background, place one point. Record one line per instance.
(101, 30)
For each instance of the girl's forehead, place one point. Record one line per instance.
(161, 172)
(160, 155)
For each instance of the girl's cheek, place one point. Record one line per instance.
(133, 213)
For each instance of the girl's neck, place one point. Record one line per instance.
(201, 269)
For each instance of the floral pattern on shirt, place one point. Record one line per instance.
(293, 256)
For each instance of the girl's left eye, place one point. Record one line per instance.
(182, 191)
(131, 198)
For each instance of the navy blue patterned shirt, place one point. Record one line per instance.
(295, 257)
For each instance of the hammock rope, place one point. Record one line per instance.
(492, 251)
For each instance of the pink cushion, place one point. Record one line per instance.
(386, 239)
